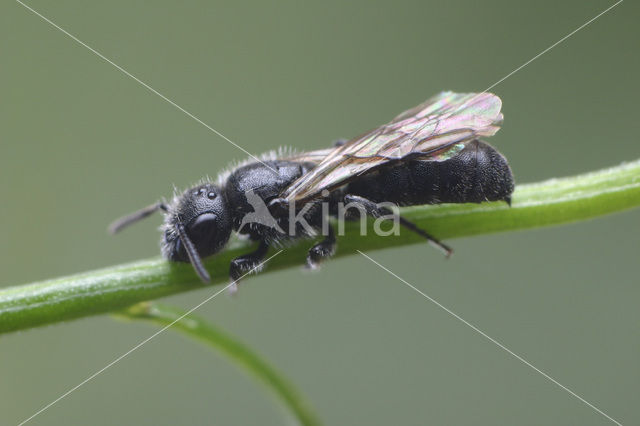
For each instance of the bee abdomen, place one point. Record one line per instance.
(477, 173)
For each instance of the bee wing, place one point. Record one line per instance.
(432, 131)
(309, 157)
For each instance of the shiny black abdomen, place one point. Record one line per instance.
(477, 173)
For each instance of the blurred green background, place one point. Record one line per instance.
(81, 144)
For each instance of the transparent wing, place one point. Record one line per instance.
(432, 131)
(310, 157)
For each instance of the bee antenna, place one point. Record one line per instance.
(127, 220)
(194, 257)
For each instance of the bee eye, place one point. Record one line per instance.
(211, 195)
(203, 223)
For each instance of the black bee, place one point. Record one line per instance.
(430, 154)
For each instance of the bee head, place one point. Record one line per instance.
(197, 224)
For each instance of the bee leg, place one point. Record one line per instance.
(245, 263)
(376, 211)
(323, 250)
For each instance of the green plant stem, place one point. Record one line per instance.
(546, 203)
(226, 344)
